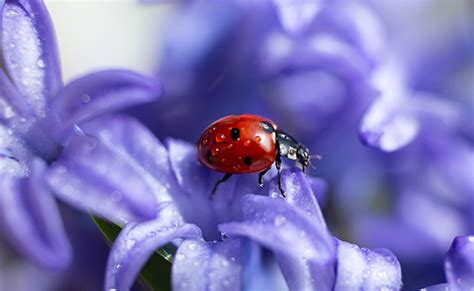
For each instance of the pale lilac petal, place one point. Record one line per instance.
(31, 218)
(385, 126)
(391, 122)
(437, 287)
(14, 154)
(260, 269)
(299, 192)
(304, 248)
(30, 53)
(118, 171)
(99, 93)
(137, 242)
(199, 265)
(459, 263)
(364, 269)
(296, 15)
(12, 105)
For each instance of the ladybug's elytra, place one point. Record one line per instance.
(247, 143)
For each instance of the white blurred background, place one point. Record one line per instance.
(96, 35)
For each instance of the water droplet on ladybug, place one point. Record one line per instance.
(215, 151)
(258, 139)
(220, 138)
(247, 143)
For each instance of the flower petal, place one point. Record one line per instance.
(299, 192)
(31, 218)
(30, 54)
(310, 261)
(14, 155)
(202, 266)
(99, 93)
(12, 105)
(459, 263)
(364, 269)
(137, 242)
(112, 174)
(388, 128)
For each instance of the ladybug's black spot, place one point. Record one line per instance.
(235, 133)
(248, 160)
(210, 158)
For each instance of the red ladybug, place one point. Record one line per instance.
(247, 143)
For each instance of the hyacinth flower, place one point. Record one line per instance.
(37, 117)
(217, 239)
(325, 72)
(458, 266)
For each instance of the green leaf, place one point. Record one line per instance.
(157, 271)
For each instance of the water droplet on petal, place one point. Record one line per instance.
(40, 63)
(118, 266)
(151, 234)
(180, 257)
(279, 220)
(116, 196)
(85, 98)
(192, 246)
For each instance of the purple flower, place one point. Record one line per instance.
(329, 72)
(37, 117)
(458, 265)
(218, 238)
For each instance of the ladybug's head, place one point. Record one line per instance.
(304, 158)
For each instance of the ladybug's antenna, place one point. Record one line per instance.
(317, 157)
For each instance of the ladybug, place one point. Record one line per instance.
(247, 143)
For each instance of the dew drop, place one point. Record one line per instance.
(366, 273)
(215, 151)
(192, 246)
(220, 137)
(180, 257)
(258, 139)
(232, 259)
(247, 143)
(40, 63)
(118, 266)
(85, 98)
(151, 234)
(116, 196)
(226, 283)
(279, 220)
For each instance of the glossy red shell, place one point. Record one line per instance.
(252, 151)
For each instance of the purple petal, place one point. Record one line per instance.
(459, 263)
(14, 155)
(31, 218)
(299, 192)
(30, 53)
(12, 105)
(437, 287)
(388, 128)
(111, 173)
(260, 269)
(137, 242)
(202, 266)
(305, 250)
(296, 15)
(390, 123)
(99, 93)
(364, 269)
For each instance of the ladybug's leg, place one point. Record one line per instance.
(278, 166)
(222, 180)
(260, 176)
